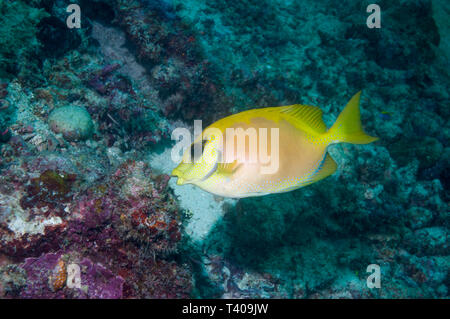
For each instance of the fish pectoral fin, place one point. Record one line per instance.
(305, 115)
(228, 168)
(326, 168)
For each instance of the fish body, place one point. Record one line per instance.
(293, 155)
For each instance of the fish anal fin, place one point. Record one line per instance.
(305, 116)
(326, 168)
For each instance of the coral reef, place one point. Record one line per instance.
(126, 230)
(47, 276)
(73, 122)
(18, 42)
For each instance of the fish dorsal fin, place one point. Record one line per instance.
(326, 168)
(228, 168)
(305, 115)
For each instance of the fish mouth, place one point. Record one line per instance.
(180, 180)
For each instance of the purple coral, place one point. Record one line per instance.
(38, 272)
(96, 281)
(99, 282)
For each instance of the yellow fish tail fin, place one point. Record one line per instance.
(348, 128)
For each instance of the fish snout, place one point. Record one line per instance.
(180, 181)
(178, 174)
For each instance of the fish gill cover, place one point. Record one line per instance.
(87, 205)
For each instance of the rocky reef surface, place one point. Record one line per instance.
(87, 209)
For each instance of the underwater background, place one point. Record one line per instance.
(86, 116)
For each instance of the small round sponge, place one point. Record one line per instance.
(73, 122)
